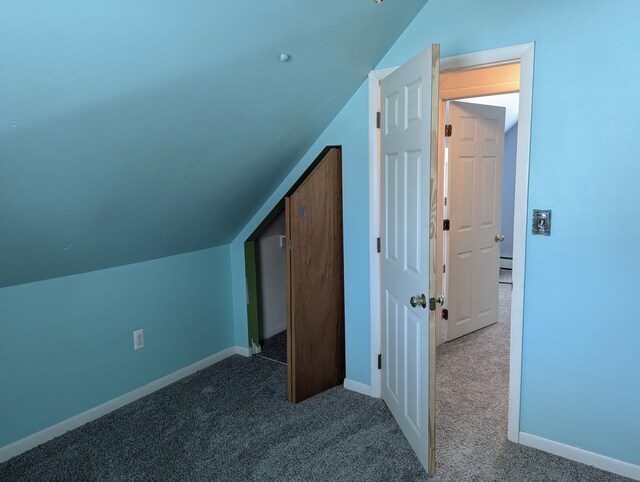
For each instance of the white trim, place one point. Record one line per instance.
(520, 210)
(253, 349)
(523, 53)
(579, 455)
(27, 443)
(242, 350)
(357, 387)
(375, 76)
(502, 55)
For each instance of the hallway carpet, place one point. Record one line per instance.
(472, 381)
(232, 422)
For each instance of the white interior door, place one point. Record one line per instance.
(476, 156)
(408, 165)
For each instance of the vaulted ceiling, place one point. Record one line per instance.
(132, 130)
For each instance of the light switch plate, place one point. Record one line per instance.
(541, 222)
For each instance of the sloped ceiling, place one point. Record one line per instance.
(132, 130)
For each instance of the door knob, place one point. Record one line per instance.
(420, 300)
(499, 238)
(440, 300)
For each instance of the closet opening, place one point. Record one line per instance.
(270, 260)
(295, 281)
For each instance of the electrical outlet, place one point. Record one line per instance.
(138, 339)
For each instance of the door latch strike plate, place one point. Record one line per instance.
(379, 361)
(432, 304)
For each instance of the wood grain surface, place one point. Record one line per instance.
(315, 281)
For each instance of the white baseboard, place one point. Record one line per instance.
(27, 443)
(589, 458)
(357, 387)
(242, 350)
(254, 349)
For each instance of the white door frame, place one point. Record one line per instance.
(523, 53)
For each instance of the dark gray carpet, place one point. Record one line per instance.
(275, 347)
(229, 422)
(232, 422)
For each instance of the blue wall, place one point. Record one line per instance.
(508, 190)
(135, 130)
(348, 129)
(581, 361)
(66, 344)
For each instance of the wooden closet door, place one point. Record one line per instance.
(315, 284)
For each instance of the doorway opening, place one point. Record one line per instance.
(476, 195)
(270, 254)
(265, 278)
(498, 192)
(519, 54)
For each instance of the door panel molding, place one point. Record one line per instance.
(407, 261)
